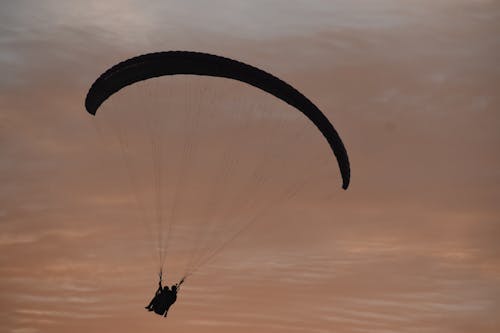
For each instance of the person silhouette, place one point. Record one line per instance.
(164, 298)
(170, 298)
(155, 302)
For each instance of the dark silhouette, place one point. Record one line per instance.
(195, 63)
(164, 298)
(156, 298)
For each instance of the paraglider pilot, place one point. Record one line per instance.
(164, 298)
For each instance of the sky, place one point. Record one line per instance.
(411, 246)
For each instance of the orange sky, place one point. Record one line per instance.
(412, 246)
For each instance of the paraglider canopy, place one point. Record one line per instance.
(195, 63)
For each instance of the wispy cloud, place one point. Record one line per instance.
(62, 314)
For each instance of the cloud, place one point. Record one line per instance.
(24, 330)
(30, 237)
(55, 299)
(62, 314)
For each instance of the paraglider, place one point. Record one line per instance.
(170, 63)
(152, 65)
